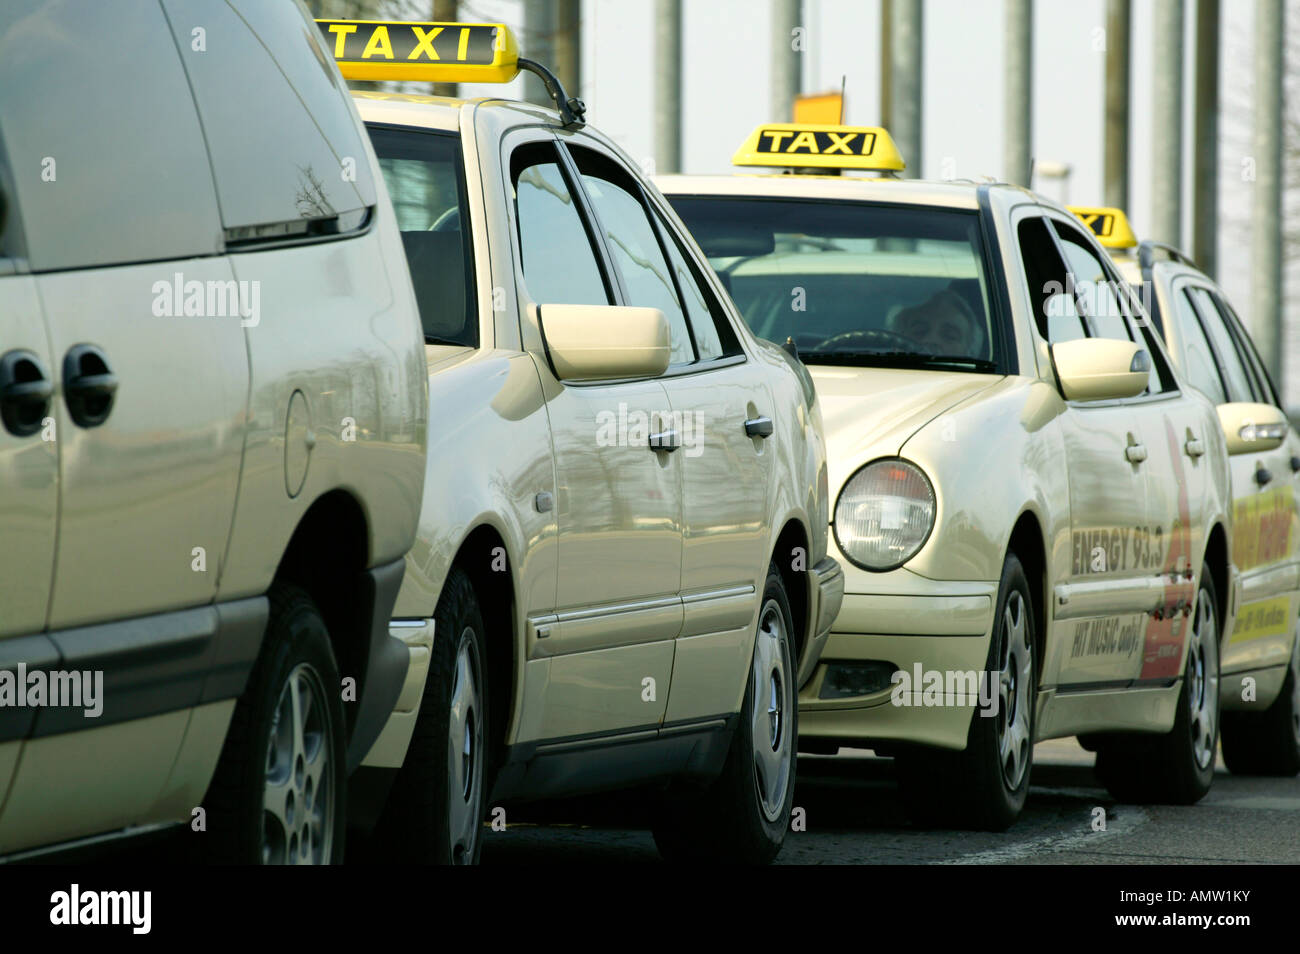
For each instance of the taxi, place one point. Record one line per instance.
(1209, 344)
(1032, 508)
(620, 574)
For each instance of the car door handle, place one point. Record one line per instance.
(1295, 465)
(664, 441)
(759, 427)
(1136, 453)
(25, 392)
(1263, 475)
(89, 385)
(1194, 447)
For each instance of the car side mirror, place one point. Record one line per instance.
(1101, 369)
(1252, 428)
(598, 342)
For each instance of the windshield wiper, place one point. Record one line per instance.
(897, 359)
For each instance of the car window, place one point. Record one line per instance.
(1230, 364)
(1198, 358)
(556, 254)
(105, 151)
(425, 178)
(1055, 311)
(634, 246)
(1264, 389)
(1093, 287)
(858, 283)
(286, 151)
(714, 337)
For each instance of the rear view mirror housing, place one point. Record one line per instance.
(1250, 428)
(1101, 369)
(601, 342)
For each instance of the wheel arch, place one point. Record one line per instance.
(1026, 542)
(1216, 564)
(791, 555)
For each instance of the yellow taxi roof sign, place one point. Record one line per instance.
(1109, 225)
(426, 51)
(819, 146)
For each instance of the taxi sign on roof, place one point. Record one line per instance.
(430, 52)
(1109, 225)
(819, 146)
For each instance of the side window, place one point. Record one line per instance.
(285, 147)
(1234, 370)
(1046, 279)
(633, 245)
(426, 180)
(1267, 393)
(714, 337)
(1198, 357)
(105, 151)
(557, 259)
(1093, 288)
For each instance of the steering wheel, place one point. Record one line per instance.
(449, 221)
(885, 340)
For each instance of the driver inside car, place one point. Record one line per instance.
(943, 324)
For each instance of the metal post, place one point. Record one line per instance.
(886, 64)
(668, 85)
(539, 44)
(1205, 138)
(444, 11)
(786, 59)
(906, 55)
(1018, 73)
(1167, 124)
(566, 46)
(1266, 213)
(1115, 158)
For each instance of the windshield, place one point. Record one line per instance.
(853, 282)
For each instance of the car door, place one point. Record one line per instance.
(618, 501)
(721, 411)
(29, 486)
(1263, 484)
(1167, 547)
(150, 393)
(1102, 606)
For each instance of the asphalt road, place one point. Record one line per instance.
(855, 816)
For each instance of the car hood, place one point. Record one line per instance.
(871, 412)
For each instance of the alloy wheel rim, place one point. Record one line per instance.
(773, 701)
(1203, 682)
(298, 801)
(465, 752)
(1015, 677)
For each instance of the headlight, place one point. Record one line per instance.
(885, 514)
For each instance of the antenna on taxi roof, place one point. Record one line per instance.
(843, 80)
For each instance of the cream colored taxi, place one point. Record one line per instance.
(621, 572)
(1207, 341)
(1031, 505)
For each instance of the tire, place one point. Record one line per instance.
(436, 807)
(1177, 767)
(743, 816)
(984, 787)
(286, 745)
(1268, 742)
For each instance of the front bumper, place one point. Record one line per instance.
(935, 628)
(825, 596)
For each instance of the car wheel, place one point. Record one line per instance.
(1268, 742)
(278, 794)
(985, 786)
(436, 807)
(742, 817)
(1176, 767)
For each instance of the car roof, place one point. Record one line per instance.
(437, 112)
(962, 194)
